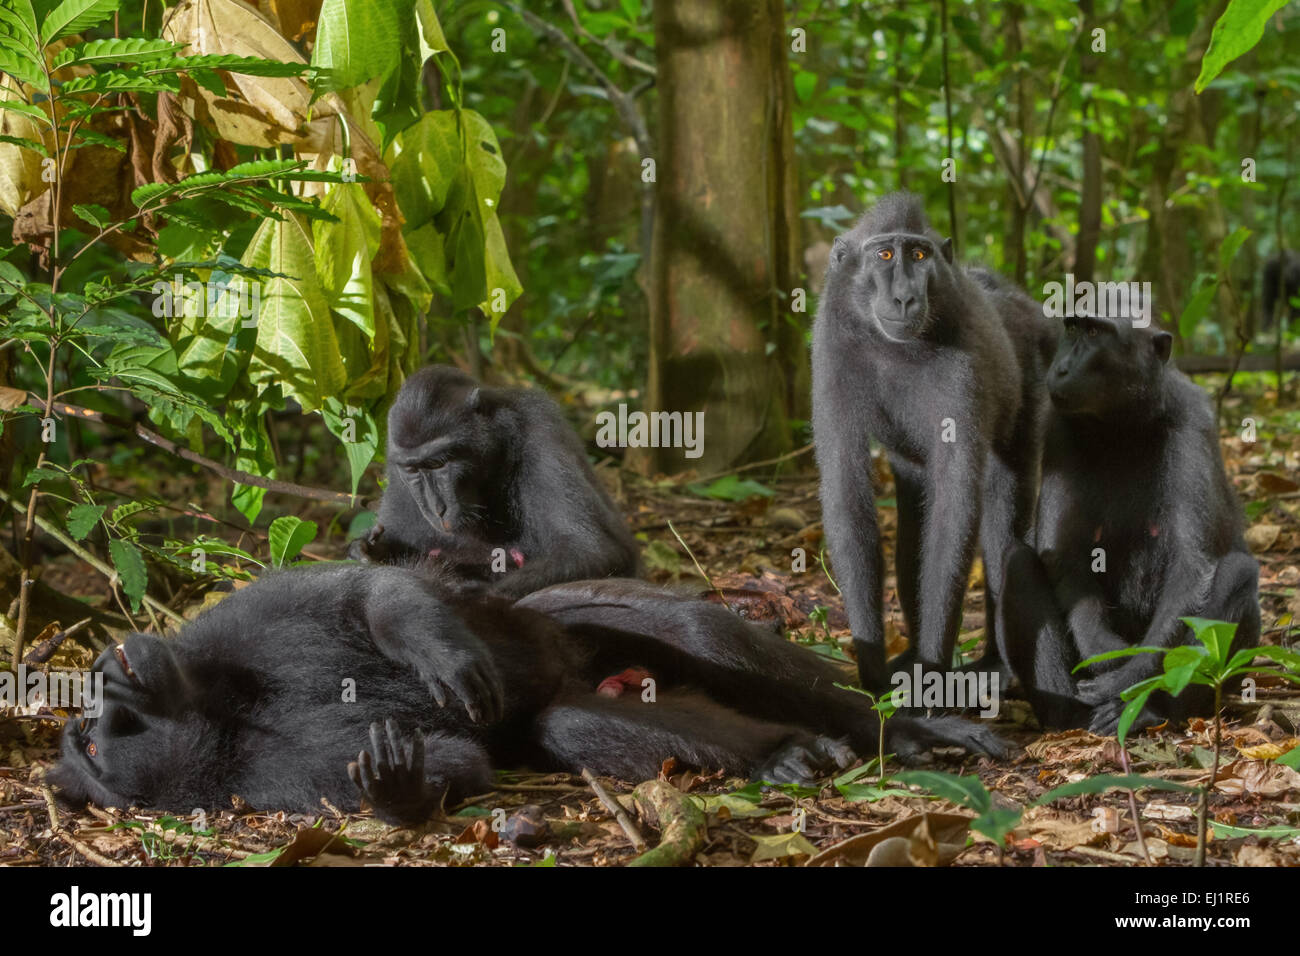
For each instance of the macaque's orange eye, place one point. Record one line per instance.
(91, 749)
(886, 254)
(918, 254)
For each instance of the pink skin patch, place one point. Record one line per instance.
(619, 684)
(517, 557)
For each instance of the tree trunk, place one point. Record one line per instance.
(725, 249)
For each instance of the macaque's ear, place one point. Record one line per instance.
(838, 248)
(482, 400)
(946, 250)
(1163, 343)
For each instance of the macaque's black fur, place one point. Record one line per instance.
(1131, 466)
(905, 340)
(249, 699)
(473, 469)
(1280, 280)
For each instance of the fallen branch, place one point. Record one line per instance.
(682, 824)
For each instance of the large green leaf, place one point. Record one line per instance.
(211, 340)
(1236, 32)
(427, 162)
(73, 16)
(296, 349)
(356, 41)
(344, 250)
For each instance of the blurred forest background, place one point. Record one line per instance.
(236, 227)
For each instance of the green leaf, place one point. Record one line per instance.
(1282, 655)
(343, 251)
(1134, 707)
(217, 546)
(115, 50)
(21, 16)
(1224, 831)
(1215, 635)
(1112, 655)
(42, 474)
(965, 791)
(1195, 310)
(18, 106)
(432, 40)
(1236, 32)
(1290, 759)
(288, 536)
(731, 488)
(130, 508)
(25, 143)
(131, 571)
(1104, 782)
(20, 65)
(97, 216)
(356, 41)
(73, 16)
(230, 62)
(82, 518)
(360, 425)
(122, 81)
(296, 348)
(1228, 251)
(805, 83)
(258, 170)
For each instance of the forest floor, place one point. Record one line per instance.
(744, 537)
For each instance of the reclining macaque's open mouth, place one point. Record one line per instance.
(120, 653)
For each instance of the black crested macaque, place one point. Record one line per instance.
(1280, 282)
(1137, 527)
(358, 681)
(494, 486)
(944, 367)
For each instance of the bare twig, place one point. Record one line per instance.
(614, 807)
(1133, 806)
(704, 574)
(43, 651)
(61, 831)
